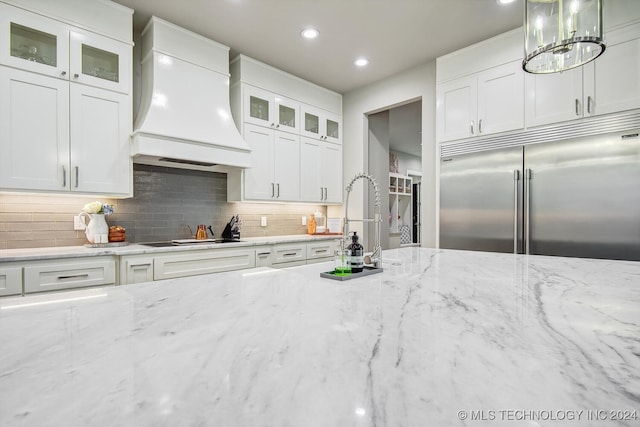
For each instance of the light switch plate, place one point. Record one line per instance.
(263, 221)
(304, 220)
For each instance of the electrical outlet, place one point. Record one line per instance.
(78, 224)
(263, 221)
(304, 220)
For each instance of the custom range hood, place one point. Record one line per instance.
(184, 119)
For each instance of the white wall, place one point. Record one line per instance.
(411, 85)
(407, 161)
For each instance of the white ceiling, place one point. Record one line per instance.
(393, 34)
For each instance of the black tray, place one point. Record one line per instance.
(366, 272)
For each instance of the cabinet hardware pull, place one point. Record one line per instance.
(273, 189)
(527, 210)
(589, 104)
(516, 178)
(290, 254)
(64, 177)
(74, 276)
(264, 253)
(472, 126)
(320, 251)
(278, 187)
(77, 176)
(321, 193)
(577, 107)
(325, 193)
(64, 73)
(146, 264)
(480, 126)
(76, 75)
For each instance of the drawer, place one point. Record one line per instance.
(263, 256)
(136, 269)
(63, 274)
(10, 281)
(319, 250)
(289, 253)
(202, 262)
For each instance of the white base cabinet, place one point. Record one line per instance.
(193, 263)
(10, 280)
(67, 274)
(136, 269)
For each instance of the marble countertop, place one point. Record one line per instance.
(440, 338)
(33, 254)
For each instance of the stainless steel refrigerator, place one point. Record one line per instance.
(578, 197)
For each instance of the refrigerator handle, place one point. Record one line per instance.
(527, 210)
(516, 178)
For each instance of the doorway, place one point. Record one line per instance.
(395, 161)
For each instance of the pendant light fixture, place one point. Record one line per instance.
(561, 34)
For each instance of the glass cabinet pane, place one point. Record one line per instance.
(287, 116)
(311, 123)
(100, 63)
(33, 45)
(332, 129)
(258, 108)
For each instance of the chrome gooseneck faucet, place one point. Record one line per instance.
(375, 258)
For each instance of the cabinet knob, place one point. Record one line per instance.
(64, 73)
(76, 75)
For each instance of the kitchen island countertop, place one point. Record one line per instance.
(440, 338)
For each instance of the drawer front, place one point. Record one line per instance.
(289, 253)
(204, 262)
(320, 250)
(136, 270)
(263, 257)
(10, 281)
(66, 275)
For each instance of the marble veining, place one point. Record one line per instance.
(510, 340)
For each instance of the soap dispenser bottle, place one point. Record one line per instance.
(357, 254)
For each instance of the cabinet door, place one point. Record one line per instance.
(258, 106)
(552, 98)
(10, 281)
(136, 269)
(34, 131)
(100, 128)
(311, 161)
(286, 166)
(32, 42)
(456, 109)
(99, 61)
(331, 172)
(616, 76)
(311, 122)
(332, 128)
(258, 179)
(501, 99)
(287, 115)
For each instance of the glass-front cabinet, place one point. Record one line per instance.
(264, 108)
(35, 43)
(321, 124)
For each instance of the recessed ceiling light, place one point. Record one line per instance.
(310, 33)
(503, 2)
(361, 62)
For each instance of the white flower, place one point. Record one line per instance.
(93, 207)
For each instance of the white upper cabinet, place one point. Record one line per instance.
(609, 84)
(320, 171)
(264, 108)
(321, 124)
(35, 43)
(483, 103)
(65, 109)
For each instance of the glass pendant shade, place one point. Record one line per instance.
(561, 34)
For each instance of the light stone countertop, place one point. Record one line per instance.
(440, 335)
(33, 254)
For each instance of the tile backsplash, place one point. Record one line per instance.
(166, 203)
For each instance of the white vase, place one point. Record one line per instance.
(97, 230)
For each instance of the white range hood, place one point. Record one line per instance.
(184, 119)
